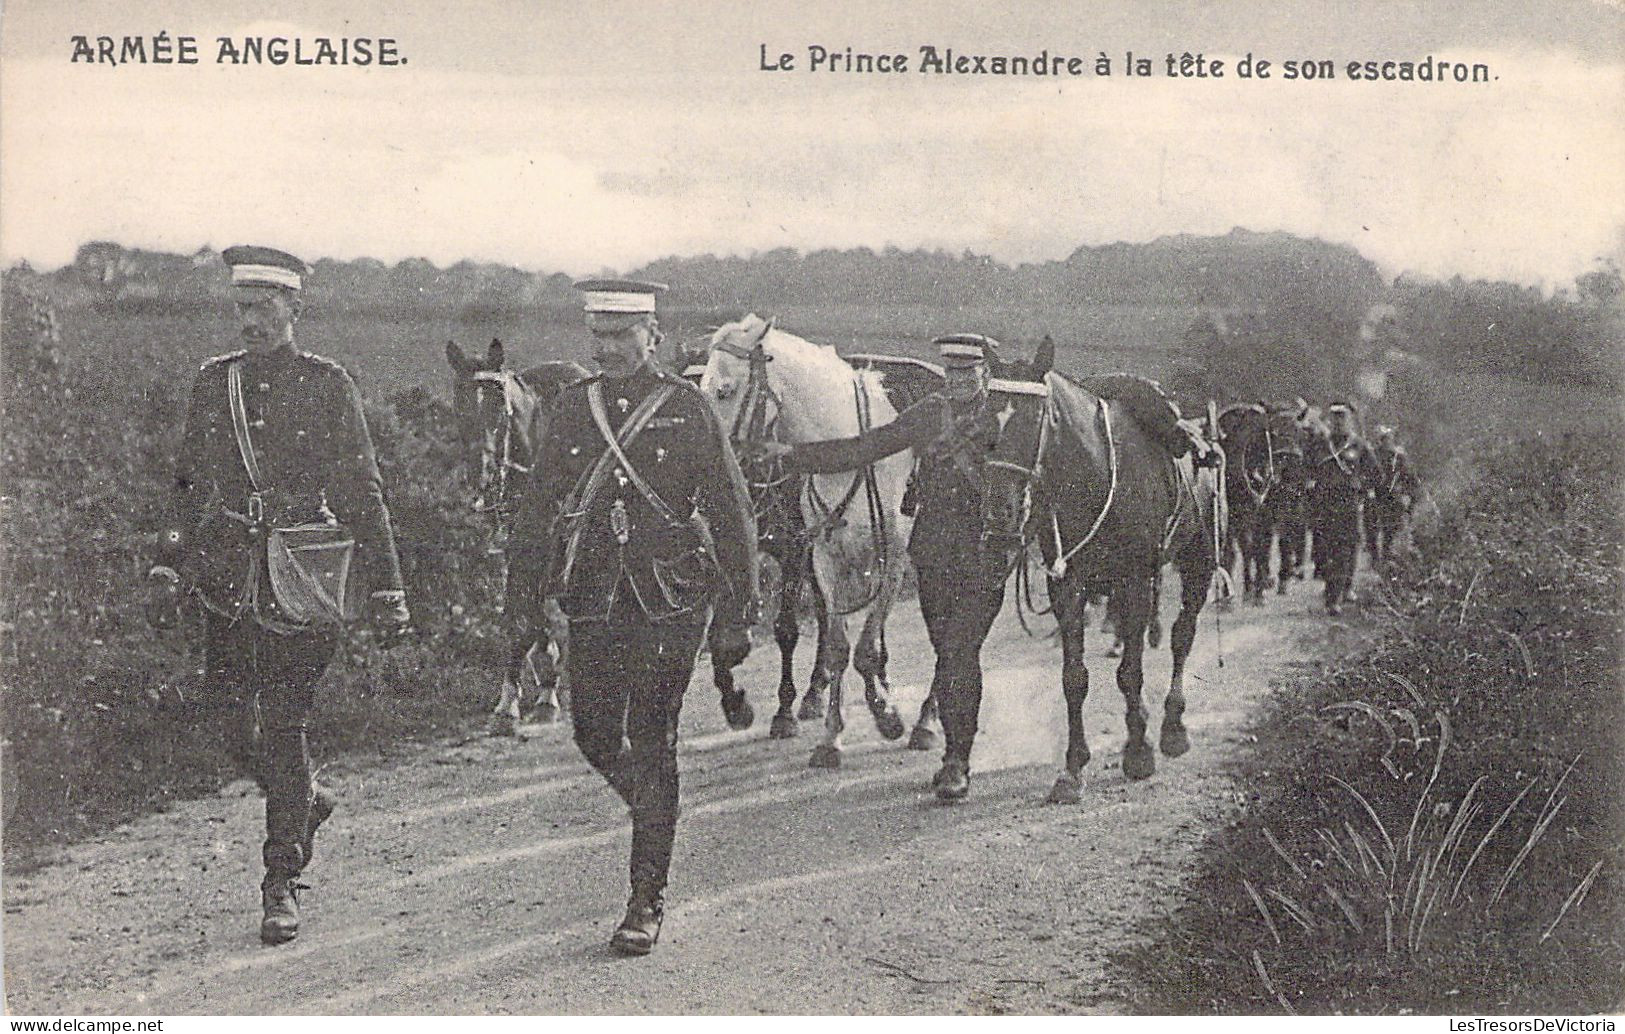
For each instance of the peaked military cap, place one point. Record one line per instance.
(966, 349)
(1344, 406)
(254, 266)
(620, 296)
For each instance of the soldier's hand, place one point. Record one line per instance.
(163, 597)
(730, 645)
(763, 450)
(387, 614)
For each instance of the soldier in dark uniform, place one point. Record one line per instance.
(639, 546)
(1343, 473)
(315, 463)
(961, 580)
(1395, 494)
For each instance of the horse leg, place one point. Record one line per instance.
(544, 675)
(869, 660)
(1193, 582)
(1069, 615)
(812, 704)
(924, 735)
(837, 653)
(1138, 760)
(787, 633)
(504, 720)
(1258, 543)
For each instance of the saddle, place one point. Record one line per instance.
(1148, 406)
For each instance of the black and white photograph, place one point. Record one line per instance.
(906, 508)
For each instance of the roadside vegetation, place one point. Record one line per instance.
(1437, 825)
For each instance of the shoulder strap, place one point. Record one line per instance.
(239, 424)
(594, 475)
(634, 424)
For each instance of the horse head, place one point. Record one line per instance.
(1245, 433)
(1015, 464)
(479, 400)
(736, 378)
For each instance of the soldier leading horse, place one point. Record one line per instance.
(1109, 505)
(504, 413)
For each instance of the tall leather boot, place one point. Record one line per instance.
(279, 893)
(640, 929)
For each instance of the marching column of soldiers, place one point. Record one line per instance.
(637, 521)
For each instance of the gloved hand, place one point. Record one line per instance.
(763, 450)
(387, 614)
(163, 597)
(730, 645)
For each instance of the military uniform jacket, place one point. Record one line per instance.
(316, 463)
(684, 455)
(949, 448)
(1344, 470)
(1394, 474)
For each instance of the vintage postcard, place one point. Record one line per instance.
(537, 507)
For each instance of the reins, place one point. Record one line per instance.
(758, 420)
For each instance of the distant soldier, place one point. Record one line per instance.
(951, 432)
(640, 523)
(297, 421)
(1343, 473)
(1395, 495)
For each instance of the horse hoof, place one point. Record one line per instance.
(1257, 599)
(812, 708)
(1280, 590)
(1139, 762)
(783, 727)
(503, 725)
(1068, 789)
(952, 781)
(922, 738)
(825, 756)
(740, 715)
(545, 714)
(1175, 741)
(889, 724)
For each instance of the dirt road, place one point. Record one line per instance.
(486, 876)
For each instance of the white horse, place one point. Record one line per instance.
(762, 380)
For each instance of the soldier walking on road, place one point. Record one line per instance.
(1343, 473)
(961, 579)
(275, 442)
(640, 523)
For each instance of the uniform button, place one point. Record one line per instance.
(264, 386)
(261, 423)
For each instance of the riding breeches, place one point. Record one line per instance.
(627, 682)
(262, 687)
(958, 614)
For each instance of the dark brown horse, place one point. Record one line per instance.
(1266, 480)
(502, 415)
(1109, 506)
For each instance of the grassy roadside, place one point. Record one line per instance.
(1438, 826)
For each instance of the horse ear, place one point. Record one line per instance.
(459, 360)
(1044, 358)
(493, 355)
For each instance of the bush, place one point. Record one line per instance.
(1437, 826)
(100, 713)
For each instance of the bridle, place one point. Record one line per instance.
(503, 445)
(757, 420)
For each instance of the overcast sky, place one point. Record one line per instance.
(590, 135)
